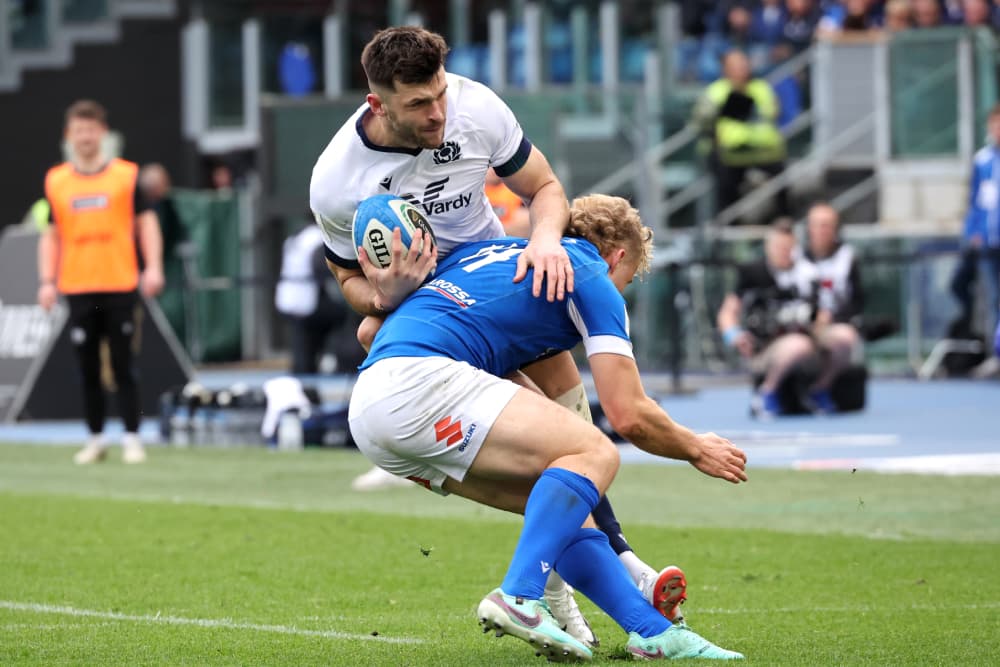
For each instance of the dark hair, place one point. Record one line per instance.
(783, 225)
(995, 111)
(409, 54)
(88, 109)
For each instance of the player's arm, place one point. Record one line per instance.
(151, 246)
(48, 266)
(643, 422)
(537, 184)
(357, 291)
(374, 291)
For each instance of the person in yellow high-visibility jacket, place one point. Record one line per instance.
(738, 115)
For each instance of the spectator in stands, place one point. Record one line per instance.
(830, 271)
(222, 177)
(976, 13)
(926, 14)
(774, 336)
(768, 23)
(509, 208)
(981, 237)
(849, 16)
(800, 24)
(738, 116)
(735, 34)
(89, 256)
(952, 12)
(308, 296)
(898, 15)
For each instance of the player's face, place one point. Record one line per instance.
(84, 136)
(416, 112)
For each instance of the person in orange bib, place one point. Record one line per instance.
(88, 255)
(509, 208)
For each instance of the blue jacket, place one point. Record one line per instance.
(983, 216)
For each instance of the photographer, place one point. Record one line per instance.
(775, 336)
(829, 270)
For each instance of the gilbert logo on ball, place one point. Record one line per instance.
(376, 218)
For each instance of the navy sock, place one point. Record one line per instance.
(590, 566)
(608, 523)
(557, 506)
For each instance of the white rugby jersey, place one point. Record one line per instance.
(446, 183)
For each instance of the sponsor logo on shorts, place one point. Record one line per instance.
(448, 431)
(467, 438)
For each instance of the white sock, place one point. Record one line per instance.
(555, 584)
(636, 566)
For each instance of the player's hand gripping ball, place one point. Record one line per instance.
(374, 221)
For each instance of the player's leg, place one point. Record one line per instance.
(559, 379)
(563, 488)
(589, 564)
(457, 429)
(120, 326)
(85, 335)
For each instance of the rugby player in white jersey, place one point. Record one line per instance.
(429, 137)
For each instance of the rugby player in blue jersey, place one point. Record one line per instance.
(432, 404)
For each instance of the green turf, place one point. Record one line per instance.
(233, 557)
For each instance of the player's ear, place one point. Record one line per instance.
(614, 258)
(375, 103)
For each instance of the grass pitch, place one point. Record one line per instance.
(250, 557)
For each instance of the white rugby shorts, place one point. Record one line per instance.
(425, 418)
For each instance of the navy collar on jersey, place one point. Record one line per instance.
(375, 147)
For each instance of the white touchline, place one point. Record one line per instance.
(199, 622)
(972, 606)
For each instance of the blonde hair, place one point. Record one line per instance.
(610, 223)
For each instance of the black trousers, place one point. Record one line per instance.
(105, 316)
(729, 180)
(309, 335)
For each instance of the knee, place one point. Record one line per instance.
(605, 461)
(843, 337)
(367, 330)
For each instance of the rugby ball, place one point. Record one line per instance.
(376, 218)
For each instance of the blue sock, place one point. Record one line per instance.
(608, 523)
(557, 506)
(589, 565)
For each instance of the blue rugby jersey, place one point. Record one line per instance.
(471, 311)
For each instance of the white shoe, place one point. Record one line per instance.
(666, 590)
(376, 479)
(559, 597)
(93, 452)
(132, 450)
